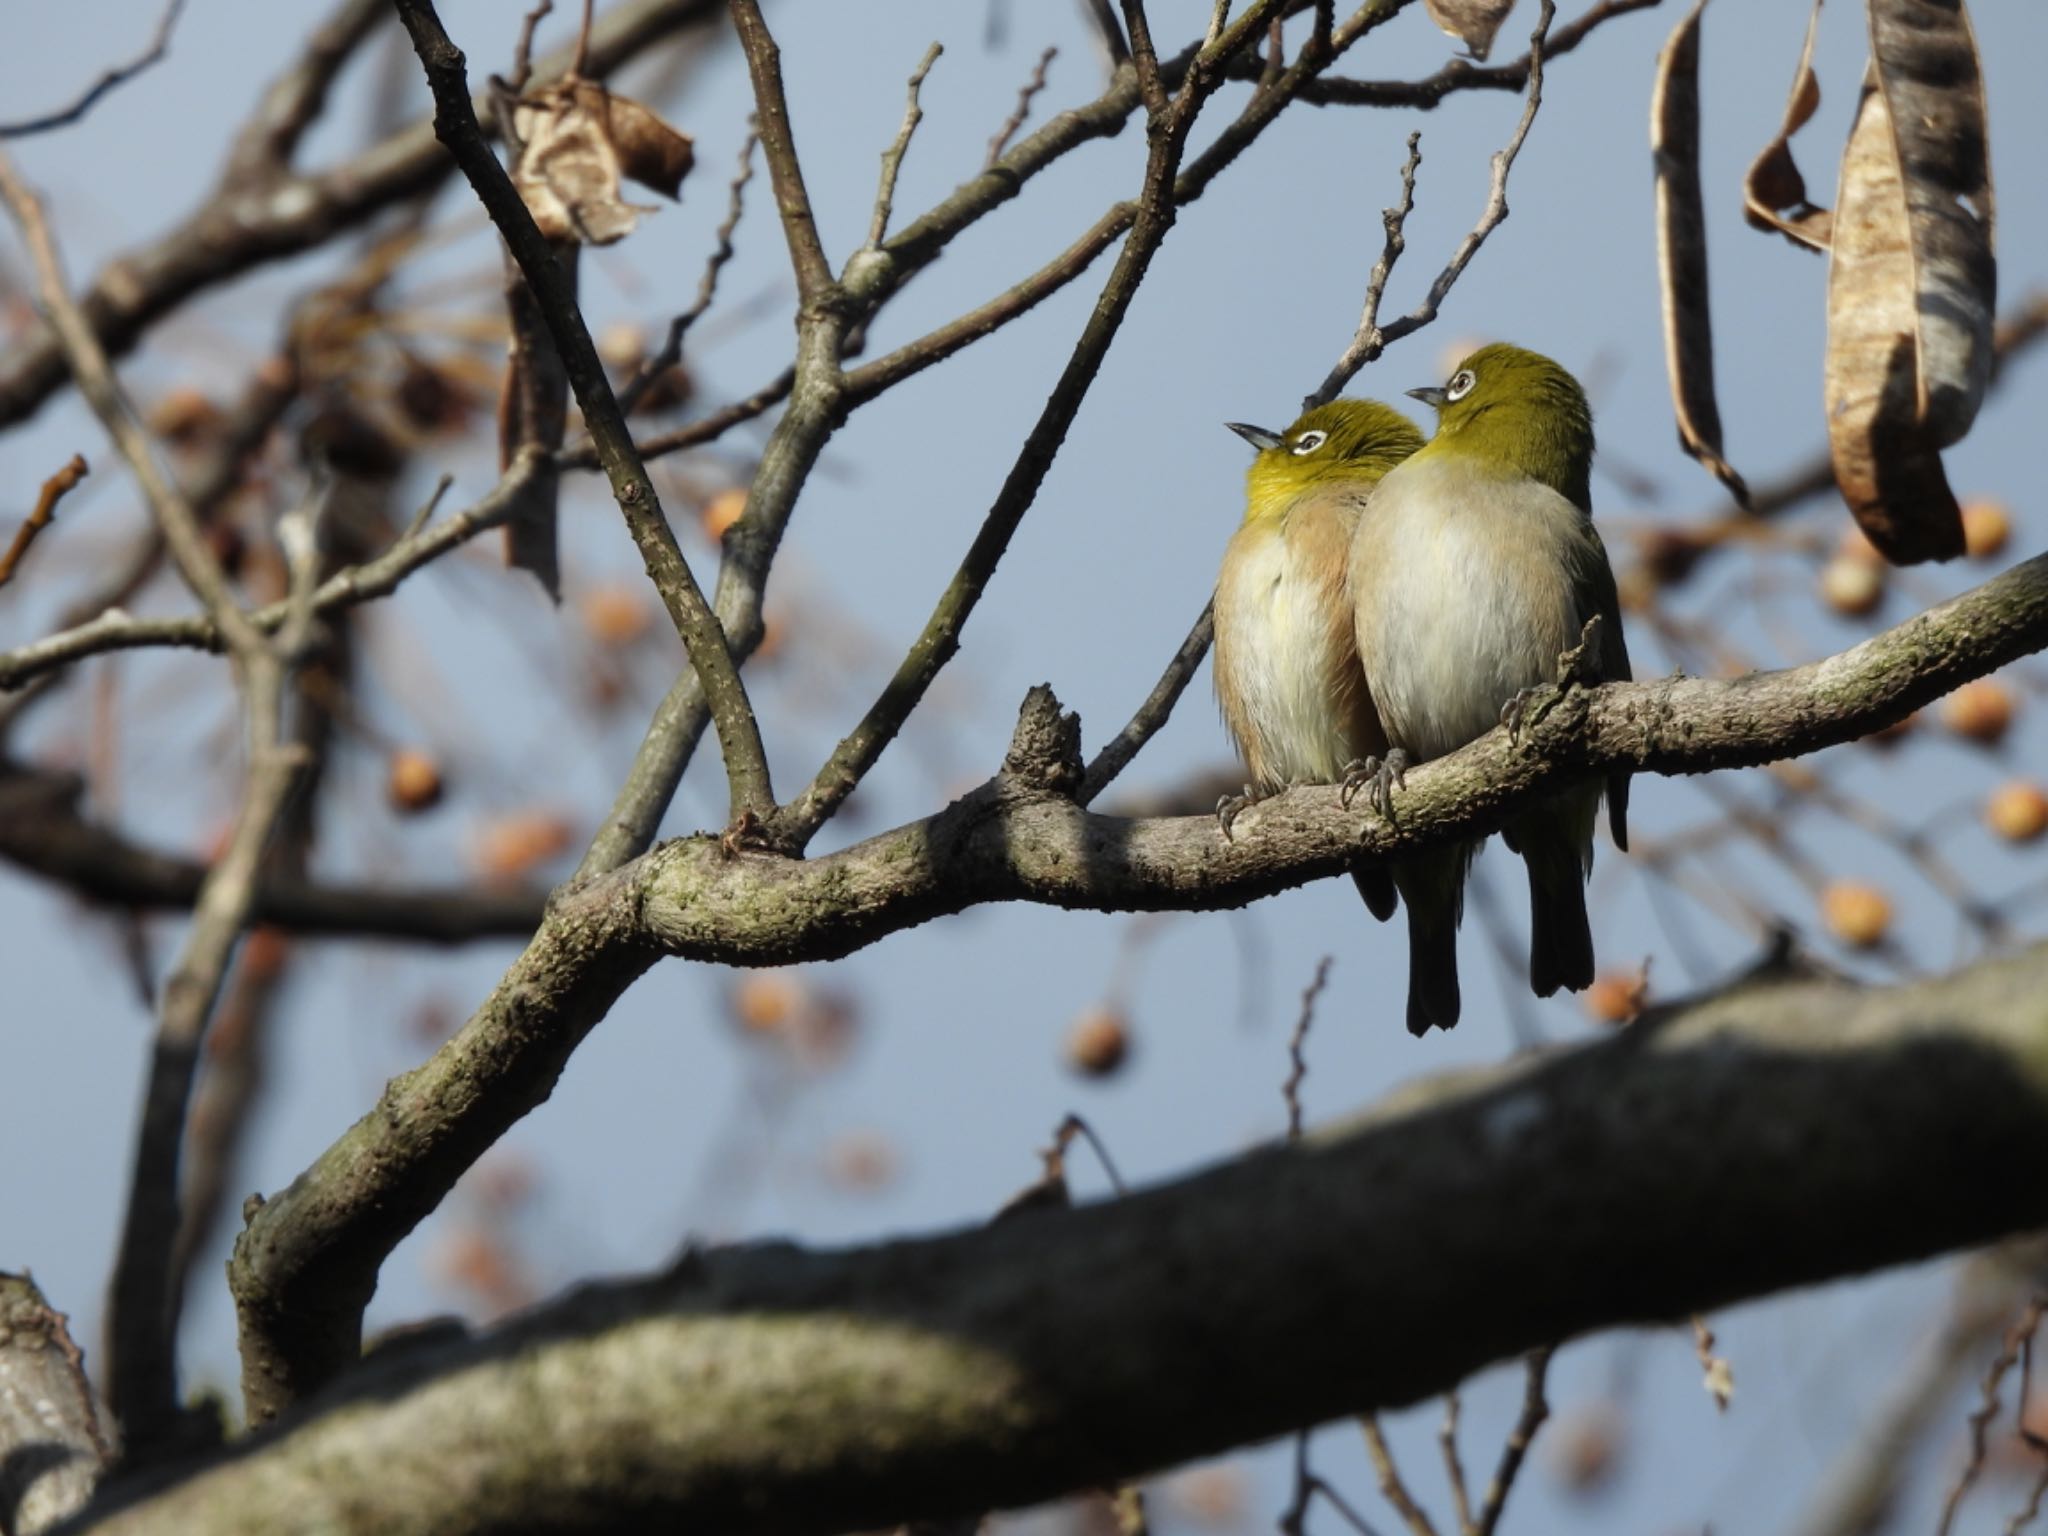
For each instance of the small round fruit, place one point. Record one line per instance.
(412, 781)
(1859, 915)
(1980, 711)
(616, 614)
(1099, 1042)
(766, 1000)
(722, 511)
(2017, 812)
(1615, 997)
(1986, 528)
(1851, 586)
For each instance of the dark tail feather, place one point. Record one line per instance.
(1560, 937)
(1433, 889)
(1432, 972)
(1377, 887)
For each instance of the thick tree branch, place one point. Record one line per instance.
(52, 1450)
(1788, 1131)
(1016, 839)
(309, 1259)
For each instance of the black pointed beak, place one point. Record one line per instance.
(1432, 397)
(1258, 437)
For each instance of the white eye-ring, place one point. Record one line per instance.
(1461, 384)
(1309, 442)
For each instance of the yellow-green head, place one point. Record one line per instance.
(1349, 441)
(1522, 413)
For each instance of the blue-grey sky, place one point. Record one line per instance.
(958, 1057)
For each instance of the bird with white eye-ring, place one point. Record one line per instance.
(1287, 675)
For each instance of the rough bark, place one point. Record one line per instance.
(1786, 1131)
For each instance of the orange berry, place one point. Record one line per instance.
(1891, 735)
(1851, 586)
(412, 781)
(764, 1001)
(1616, 997)
(616, 614)
(511, 846)
(1859, 915)
(2017, 812)
(1986, 528)
(722, 511)
(623, 347)
(1099, 1042)
(1980, 711)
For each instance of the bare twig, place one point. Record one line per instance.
(1310, 1485)
(1535, 1409)
(1117, 752)
(54, 490)
(1454, 1465)
(1025, 96)
(1151, 90)
(115, 630)
(1063, 1137)
(1107, 32)
(1152, 216)
(1372, 339)
(771, 113)
(159, 45)
(1297, 1060)
(1715, 1373)
(2018, 1339)
(1368, 335)
(580, 65)
(522, 50)
(1412, 1514)
(892, 157)
(671, 352)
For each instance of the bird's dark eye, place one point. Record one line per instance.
(1309, 442)
(1461, 384)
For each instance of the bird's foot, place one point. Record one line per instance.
(1578, 667)
(1378, 777)
(1230, 807)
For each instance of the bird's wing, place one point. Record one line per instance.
(1320, 528)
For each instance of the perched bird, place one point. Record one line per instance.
(1287, 673)
(1474, 571)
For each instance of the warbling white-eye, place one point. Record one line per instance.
(1474, 570)
(1287, 674)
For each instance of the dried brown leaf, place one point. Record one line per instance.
(1682, 251)
(650, 151)
(1912, 283)
(578, 142)
(1774, 193)
(1472, 22)
(1926, 59)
